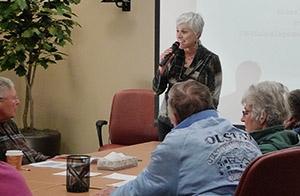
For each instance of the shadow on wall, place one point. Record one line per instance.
(247, 73)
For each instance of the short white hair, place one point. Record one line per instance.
(269, 97)
(193, 20)
(5, 84)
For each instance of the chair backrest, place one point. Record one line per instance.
(132, 117)
(272, 174)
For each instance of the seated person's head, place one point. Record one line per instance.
(187, 98)
(294, 103)
(265, 105)
(8, 99)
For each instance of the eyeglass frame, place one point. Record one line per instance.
(246, 112)
(14, 98)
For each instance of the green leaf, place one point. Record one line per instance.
(30, 32)
(60, 11)
(20, 56)
(52, 30)
(36, 31)
(74, 1)
(58, 57)
(47, 47)
(44, 64)
(67, 8)
(27, 34)
(20, 71)
(4, 64)
(60, 34)
(22, 4)
(62, 43)
(20, 47)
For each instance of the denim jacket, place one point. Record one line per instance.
(203, 155)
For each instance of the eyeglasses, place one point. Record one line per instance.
(14, 98)
(246, 112)
(3, 98)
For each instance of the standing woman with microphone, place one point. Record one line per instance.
(186, 59)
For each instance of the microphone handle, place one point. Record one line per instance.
(165, 60)
(174, 47)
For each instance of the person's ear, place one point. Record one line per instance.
(174, 119)
(290, 124)
(263, 118)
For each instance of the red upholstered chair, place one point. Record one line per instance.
(131, 119)
(273, 174)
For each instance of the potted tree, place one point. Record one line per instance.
(32, 34)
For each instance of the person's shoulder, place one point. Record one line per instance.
(203, 49)
(290, 136)
(11, 122)
(14, 183)
(6, 169)
(177, 134)
(281, 138)
(175, 138)
(297, 130)
(13, 125)
(287, 132)
(3, 165)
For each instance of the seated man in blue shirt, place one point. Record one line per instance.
(202, 155)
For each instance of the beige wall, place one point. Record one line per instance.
(112, 50)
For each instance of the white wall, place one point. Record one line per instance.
(169, 11)
(255, 40)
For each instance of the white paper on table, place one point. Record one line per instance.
(118, 176)
(50, 163)
(64, 173)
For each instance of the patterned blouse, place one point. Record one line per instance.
(205, 68)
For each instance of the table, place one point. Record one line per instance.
(42, 182)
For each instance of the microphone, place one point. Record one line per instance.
(174, 47)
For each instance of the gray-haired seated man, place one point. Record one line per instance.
(10, 136)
